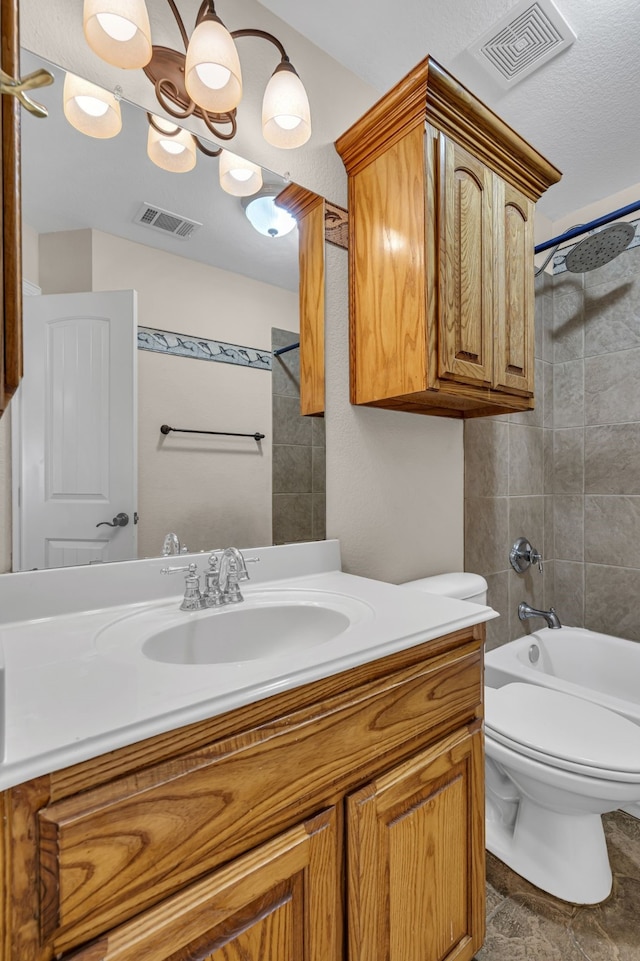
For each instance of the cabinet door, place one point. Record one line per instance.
(416, 857)
(281, 902)
(465, 296)
(513, 289)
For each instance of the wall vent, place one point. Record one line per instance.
(150, 215)
(529, 36)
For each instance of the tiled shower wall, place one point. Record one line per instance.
(567, 475)
(298, 453)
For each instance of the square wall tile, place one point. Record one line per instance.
(612, 459)
(612, 530)
(291, 469)
(292, 518)
(612, 316)
(569, 593)
(611, 388)
(486, 538)
(612, 601)
(525, 460)
(568, 461)
(568, 394)
(288, 426)
(568, 318)
(498, 599)
(568, 527)
(486, 457)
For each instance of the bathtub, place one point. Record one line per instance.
(593, 666)
(596, 667)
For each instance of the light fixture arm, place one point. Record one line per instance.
(178, 19)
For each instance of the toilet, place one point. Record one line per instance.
(554, 764)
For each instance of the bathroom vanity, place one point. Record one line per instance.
(330, 811)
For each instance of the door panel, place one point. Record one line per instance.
(416, 857)
(513, 289)
(78, 459)
(465, 348)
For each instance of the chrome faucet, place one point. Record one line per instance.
(233, 569)
(550, 616)
(172, 545)
(221, 580)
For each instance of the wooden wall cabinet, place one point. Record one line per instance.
(349, 811)
(441, 204)
(309, 210)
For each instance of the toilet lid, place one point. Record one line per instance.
(563, 726)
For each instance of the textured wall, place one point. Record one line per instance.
(394, 480)
(569, 479)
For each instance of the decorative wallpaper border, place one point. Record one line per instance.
(201, 348)
(559, 266)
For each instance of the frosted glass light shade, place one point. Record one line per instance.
(90, 109)
(171, 148)
(286, 117)
(119, 31)
(212, 74)
(238, 176)
(266, 216)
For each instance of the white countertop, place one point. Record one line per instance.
(68, 697)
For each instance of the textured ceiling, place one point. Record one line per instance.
(581, 110)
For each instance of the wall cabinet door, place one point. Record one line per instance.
(513, 276)
(486, 296)
(465, 296)
(281, 901)
(415, 853)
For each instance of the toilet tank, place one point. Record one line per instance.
(463, 585)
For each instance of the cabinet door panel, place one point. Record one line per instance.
(513, 289)
(465, 348)
(416, 857)
(281, 901)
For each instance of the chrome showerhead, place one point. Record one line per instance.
(599, 248)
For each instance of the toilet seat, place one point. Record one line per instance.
(532, 721)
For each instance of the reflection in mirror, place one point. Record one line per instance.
(107, 234)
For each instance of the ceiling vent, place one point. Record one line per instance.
(529, 36)
(149, 215)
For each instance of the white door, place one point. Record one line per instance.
(78, 443)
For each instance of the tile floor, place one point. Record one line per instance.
(525, 924)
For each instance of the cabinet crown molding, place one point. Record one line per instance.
(429, 94)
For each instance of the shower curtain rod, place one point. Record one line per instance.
(584, 228)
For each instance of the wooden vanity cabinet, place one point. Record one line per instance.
(441, 204)
(343, 819)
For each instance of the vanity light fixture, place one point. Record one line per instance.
(264, 214)
(206, 81)
(238, 176)
(90, 109)
(169, 146)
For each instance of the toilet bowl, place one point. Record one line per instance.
(554, 764)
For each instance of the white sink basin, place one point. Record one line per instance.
(265, 625)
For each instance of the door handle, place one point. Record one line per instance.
(120, 520)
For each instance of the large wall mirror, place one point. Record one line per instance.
(197, 294)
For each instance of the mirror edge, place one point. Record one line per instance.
(10, 239)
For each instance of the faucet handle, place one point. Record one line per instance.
(522, 555)
(192, 600)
